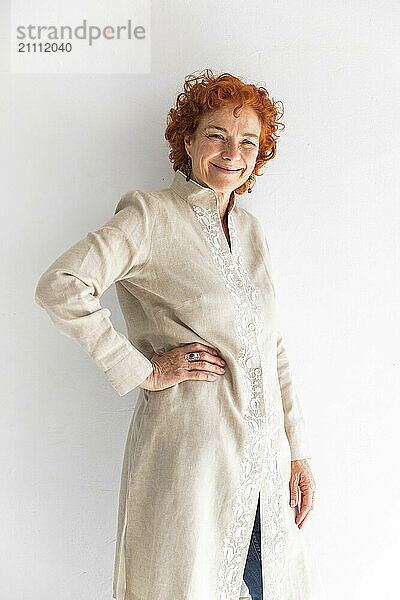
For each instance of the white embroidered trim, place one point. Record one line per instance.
(274, 537)
(260, 451)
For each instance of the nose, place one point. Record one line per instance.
(231, 151)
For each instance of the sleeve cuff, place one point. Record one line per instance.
(298, 442)
(129, 372)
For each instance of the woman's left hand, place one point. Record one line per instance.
(302, 480)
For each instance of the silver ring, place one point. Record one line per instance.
(192, 356)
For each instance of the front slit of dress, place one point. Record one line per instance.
(255, 543)
(249, 324)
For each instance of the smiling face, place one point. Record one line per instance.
(224, 148)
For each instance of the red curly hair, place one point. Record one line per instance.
(207, 92)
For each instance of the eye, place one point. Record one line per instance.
(216, 135)
(248, 142)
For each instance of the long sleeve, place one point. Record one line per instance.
(295, 427)
(71, 288)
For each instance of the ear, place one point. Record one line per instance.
(188, 143)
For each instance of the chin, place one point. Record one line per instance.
(226, 182)
(222, 187)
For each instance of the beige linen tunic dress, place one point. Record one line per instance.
(199, 453)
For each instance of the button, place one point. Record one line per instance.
(257, 371)
(252, 326)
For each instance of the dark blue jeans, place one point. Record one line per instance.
(252, 571)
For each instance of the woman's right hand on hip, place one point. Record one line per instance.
(171, 367)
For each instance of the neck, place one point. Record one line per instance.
(224, 198)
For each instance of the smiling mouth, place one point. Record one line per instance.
(226, 170)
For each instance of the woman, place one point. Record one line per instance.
(217, 431)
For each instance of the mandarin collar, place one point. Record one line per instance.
(197, 194)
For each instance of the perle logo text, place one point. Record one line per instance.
(81, 32)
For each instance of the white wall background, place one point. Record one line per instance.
(71, 144)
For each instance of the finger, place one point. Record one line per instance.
(307, 515)
(196, 346)
(305, 519)
(211, 358)
(302, 516)
(294, 490)
(204, 356)
(204, 365)
(294, 496)
(199, 375)
(306, 502)
(305, 505)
